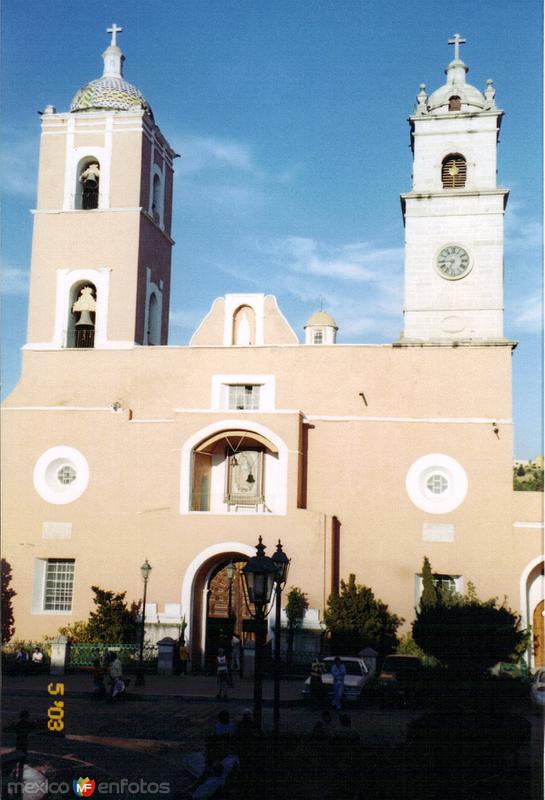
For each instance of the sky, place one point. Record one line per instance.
(291, 120)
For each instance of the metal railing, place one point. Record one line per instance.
(85, 654)
(231, 504)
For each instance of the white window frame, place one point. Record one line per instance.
(40, 587)
(436, 464)
(220, 391)
(419, 584)
(45, 475)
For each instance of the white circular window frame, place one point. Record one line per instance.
(436, 464)
(46, 481)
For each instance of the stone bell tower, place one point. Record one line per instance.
(454, 215)
(101, 245)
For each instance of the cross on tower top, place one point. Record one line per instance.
(456, 41)
(114, 30)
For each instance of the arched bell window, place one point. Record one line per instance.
(244, 326)
(157, 199)
(81, 323)
(88, 184)
(154, 320)
(454, 103)
(235, 470)
(454, 171)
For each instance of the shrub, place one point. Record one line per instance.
(355, 619)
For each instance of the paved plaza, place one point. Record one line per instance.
(148, 737)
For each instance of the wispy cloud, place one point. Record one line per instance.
(200, 153)
(359, 283)
(19, 167)
(522, 232)
(527, 313)
(14, 280)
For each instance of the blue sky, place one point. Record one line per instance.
(291, 120)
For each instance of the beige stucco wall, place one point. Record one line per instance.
(420, 400)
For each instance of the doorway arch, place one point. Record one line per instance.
(532, 591)
(201, 578)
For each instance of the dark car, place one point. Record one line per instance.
(401, 680)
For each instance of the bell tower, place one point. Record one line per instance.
(454, 215)
(101, 250)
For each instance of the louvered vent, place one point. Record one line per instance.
(453, 172)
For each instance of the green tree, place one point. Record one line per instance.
(355, 619)
(468, 635)
(296, 605)
(8, 620)
(429, 591)
(111, 622)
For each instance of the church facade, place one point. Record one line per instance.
(360, 458)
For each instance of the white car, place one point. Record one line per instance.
(537, 689)
(357, 676)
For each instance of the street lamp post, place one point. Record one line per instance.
(145, 569)
(230, 569)
(259, 576)
(282, 563)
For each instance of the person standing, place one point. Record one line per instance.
(338, 671)
(184, 658)
(23, 727)
(316, 684)
(115, 674)
(235, 653)
(222, 674)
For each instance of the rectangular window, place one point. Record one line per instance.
(318, 336)
(243, 397)
(59, 584)
(444, 583)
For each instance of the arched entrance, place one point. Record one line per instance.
(217, 605)
(532, 591)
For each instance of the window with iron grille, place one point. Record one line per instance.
(59, 584)
(243, 397)
(453, 172)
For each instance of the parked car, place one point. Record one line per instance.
(537, 689)
(357, 676)
(401, 680)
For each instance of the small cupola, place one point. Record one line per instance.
(320, 328)
(456, 95)
(111, 92)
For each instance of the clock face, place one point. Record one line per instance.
(453, 262)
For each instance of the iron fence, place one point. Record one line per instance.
(85, 655)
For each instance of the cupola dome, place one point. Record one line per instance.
(456, 94)
(111, 92)
(320, 328)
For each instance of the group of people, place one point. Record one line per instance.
(108, 677)
(227, 748)
(225, 667)
(318, 689)
(25, 661)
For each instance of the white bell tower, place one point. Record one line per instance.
(454, 215)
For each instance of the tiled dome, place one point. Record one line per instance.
(109, 93)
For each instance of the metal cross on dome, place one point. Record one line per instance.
(114, 30)
(456, 41)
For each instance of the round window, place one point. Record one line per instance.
(436, 483)
(61, 475)
(66, 474)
